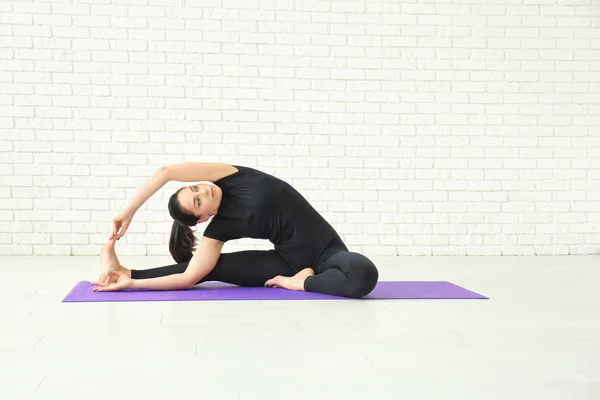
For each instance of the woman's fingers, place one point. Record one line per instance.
(116, 231)
(113, 287)
(113, 273)
(101, 286)
(104, 283)
(113, 231)
(106, 287)
(122, 230)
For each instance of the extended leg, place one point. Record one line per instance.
(109, 261)
(243, 268)
(249, 268)
(344, 273)
(159, 271)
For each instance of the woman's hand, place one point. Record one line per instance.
(109, 285)
(120, 223)
(105, 278)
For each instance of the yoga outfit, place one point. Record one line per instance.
(258, 205)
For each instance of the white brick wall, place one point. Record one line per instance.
(415, 127)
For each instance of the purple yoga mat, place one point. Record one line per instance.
(82, 292)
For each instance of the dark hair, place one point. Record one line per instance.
(182, 240)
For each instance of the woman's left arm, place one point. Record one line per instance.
(203, 261)
(168, 282)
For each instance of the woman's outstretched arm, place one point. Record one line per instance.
(121, 222)
(182, 172)
(203, 261)
(152, 185)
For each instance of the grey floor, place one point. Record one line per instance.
(538, 337)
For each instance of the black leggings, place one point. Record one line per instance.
(338, 271)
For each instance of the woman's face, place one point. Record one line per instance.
(200, 200)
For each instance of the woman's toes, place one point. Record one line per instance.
(273, 282)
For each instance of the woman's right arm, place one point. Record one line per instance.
(151, 186)
(182, 172)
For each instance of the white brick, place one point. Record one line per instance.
(51, 250)
(14, 227)
(17, 41)
(70, 147)
(15, 204)
(50, 158)
(33, 215)
(16, 111)
(6, 123)
(27, 30)
(140, 170)
(572, 22)
(108, 170)
(16, 250)
(52, 20)
(71, 170)
(5, 238)
(27, 239)
(71, 31)
(24, 192)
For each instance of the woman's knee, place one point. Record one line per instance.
(362, 276)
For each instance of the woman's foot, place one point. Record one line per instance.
(110, 262)
(295, 282)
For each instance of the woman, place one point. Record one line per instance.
(308, 254)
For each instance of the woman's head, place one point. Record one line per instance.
(189, 206)
(195, 204)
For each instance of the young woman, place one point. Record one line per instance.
(243, 202)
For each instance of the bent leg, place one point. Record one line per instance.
(249, 268)
(344, 273)
(242, 268)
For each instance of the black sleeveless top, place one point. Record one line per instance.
(260, 206)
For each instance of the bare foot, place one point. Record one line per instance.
(295, 282)
(110, 262)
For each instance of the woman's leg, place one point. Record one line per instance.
(242, 268)
(344, 273)
(159, 271)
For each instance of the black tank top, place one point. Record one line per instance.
(260, 206)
